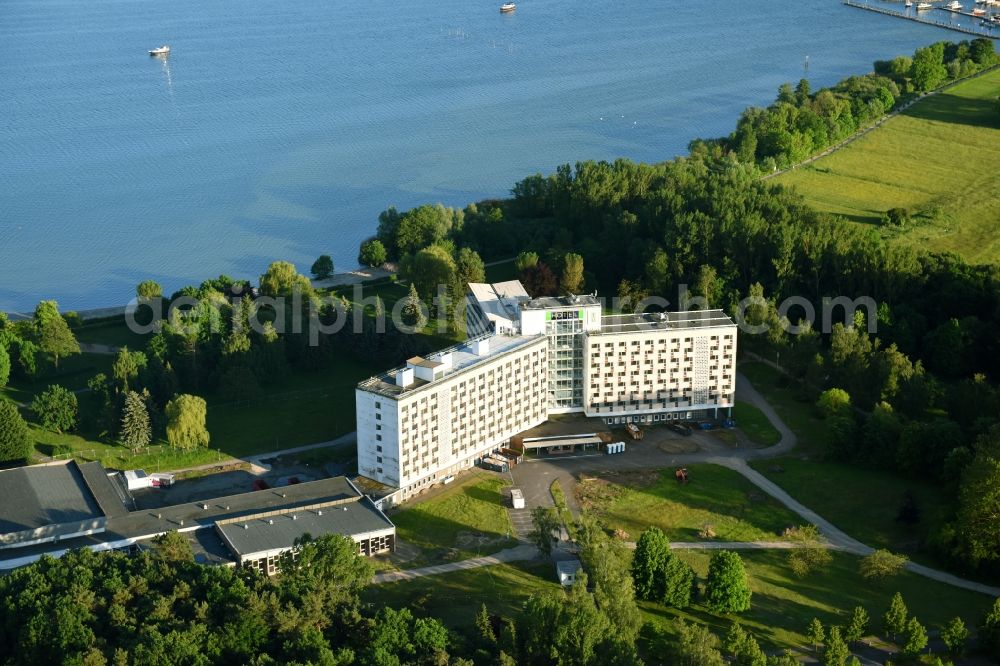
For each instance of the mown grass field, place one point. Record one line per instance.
(465, 519)
(715, 496)
(940, 159)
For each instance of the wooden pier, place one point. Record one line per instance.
(920, 19)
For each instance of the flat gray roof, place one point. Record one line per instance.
(136, 524)
(462, 359)
(653, 321)
(281, 531)
(38, 496)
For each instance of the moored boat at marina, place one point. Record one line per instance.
(924, 5)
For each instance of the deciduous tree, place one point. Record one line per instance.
(372, 253)
(186, 415)
(955, 635)
(895, 617)
(322, 268)
(572, 274)
(857, 626)
(56, 408)
(54, 335)
(727, 588)
(882, 564)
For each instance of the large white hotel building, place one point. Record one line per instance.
(527, 358)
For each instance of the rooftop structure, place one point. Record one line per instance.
(494, 307)
(420, 372)
(654, 321)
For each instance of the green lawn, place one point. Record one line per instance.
(467, 516)
(113, 331)
(158, 457)
(862, 502)
(73, 373)
(940, 160)
(455, 598)
(798, 415)
(754, 424)
(783, 604)
(307, 409)
(717, 496)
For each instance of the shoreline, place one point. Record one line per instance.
(357, 276)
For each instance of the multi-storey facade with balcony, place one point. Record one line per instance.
(664, 366)
(529, 358)
(439, 414)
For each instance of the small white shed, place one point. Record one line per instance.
(516, 498)
(567, 570)
(136, 479)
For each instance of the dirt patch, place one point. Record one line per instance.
(592, 491)
(679, 446)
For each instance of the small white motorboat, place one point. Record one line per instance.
(508, 7)
(162, 51)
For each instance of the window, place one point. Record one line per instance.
(378, 427)
(379, 448)
(378, 405)
(378, 438)
(378, 417)
(378, 459)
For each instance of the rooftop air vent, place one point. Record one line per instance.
(270, 521)
(320, 512)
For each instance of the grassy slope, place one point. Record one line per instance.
(716, 495)
(472, 505)
(782, 605)
(754, 424)
(862, 502)
(455, 598)
(940, 159)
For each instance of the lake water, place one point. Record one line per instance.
(279, 129)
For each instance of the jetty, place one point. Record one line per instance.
(986, 32)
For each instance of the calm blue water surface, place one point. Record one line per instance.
(279, 129)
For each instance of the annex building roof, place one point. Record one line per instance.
(40, 502)
(280, 531)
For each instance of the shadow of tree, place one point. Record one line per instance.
(949, 108)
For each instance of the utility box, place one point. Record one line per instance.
(516, 498)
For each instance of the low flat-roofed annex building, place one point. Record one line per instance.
(50, 509)
(439, 414)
